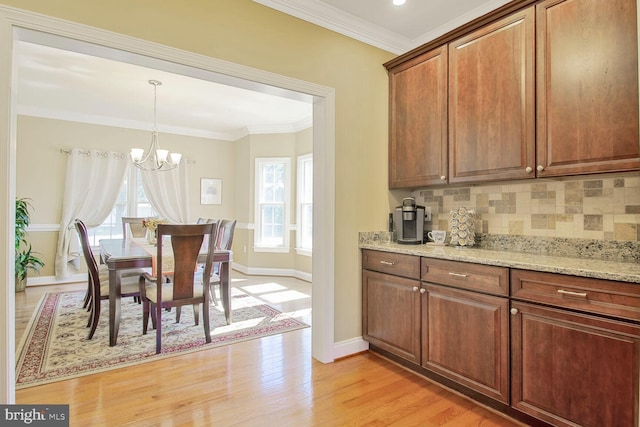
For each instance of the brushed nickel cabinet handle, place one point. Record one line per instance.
(573, 294)
(514, 311)
(443, 178)
(387, 263)
(415, 289)
(528, 169)
(451, 273)
(423, 290)
(540, 168)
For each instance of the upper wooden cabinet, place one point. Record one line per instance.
(491, 101)
(418, 121)
(547, 88)
(587, 87)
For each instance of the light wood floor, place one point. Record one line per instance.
(256, 383)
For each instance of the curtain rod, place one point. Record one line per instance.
(87, 152)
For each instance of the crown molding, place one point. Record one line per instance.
(479, 11)
(332, 18)
(175, 130)
(337, 20)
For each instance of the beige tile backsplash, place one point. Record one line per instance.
(590, 207)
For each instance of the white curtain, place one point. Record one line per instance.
(168, 193)
(93, 180)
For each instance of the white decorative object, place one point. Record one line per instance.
(462, 225)
(210, 191)
(156, 158)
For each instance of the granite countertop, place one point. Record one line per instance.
(584, 267)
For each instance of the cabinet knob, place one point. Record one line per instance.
(423, 290)
(514, 311)
(528, 169)
(443, 178)
(415, 289)
(540, 168)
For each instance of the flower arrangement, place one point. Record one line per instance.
(152, 223)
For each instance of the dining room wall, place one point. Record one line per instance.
(247, 257)
(40, 141)
(41, 166)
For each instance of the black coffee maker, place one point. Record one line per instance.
(409, 220)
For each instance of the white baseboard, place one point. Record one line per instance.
(51, 280)
(259, 271)
(349, 347)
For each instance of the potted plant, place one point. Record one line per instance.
(25, 257)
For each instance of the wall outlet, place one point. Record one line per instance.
(427, 213)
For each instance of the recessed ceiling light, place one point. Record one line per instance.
(398, 2)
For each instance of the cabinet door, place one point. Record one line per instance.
(570, 369)
(465, 337)
(491, 101)
(391, 314)
(418, 121)
(587, 87)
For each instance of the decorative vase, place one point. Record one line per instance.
(21, 284)
(151, 236)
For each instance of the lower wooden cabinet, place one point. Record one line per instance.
(465, 337)
(574, 369)
(495, 331)
(391, 313)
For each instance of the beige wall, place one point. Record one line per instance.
(247, 150)
(40, 141)
(41, 169)
(250, 34)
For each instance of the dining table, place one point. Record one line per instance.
(124, 254)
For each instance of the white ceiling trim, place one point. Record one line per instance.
(175, 130)
(465, 18)
(349, 25)
(338, 20)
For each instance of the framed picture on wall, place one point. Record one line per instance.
(210, 191)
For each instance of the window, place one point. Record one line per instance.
(131, 201)
(272, 204)
(304, 228)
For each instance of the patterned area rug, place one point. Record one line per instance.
(54, 346)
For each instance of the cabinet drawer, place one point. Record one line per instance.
(618, 299)
(483, 278)
(387, 262)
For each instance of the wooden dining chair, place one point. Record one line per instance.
(226, 229)
(158, 294)
(223, 242)
(132, 227)
(98, 280)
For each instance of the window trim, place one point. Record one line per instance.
(300, 179)
(258, 246)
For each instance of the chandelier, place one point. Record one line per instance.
(156, 158)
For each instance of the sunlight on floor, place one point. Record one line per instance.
(263, 287)
(304, 315)
(238, 325)
(284, 296)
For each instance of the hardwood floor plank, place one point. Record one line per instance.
(271, 381)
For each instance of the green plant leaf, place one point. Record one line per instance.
(26, 259)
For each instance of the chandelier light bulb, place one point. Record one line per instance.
(156, 158)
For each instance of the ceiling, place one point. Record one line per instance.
(379, 23)
(69, 80)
